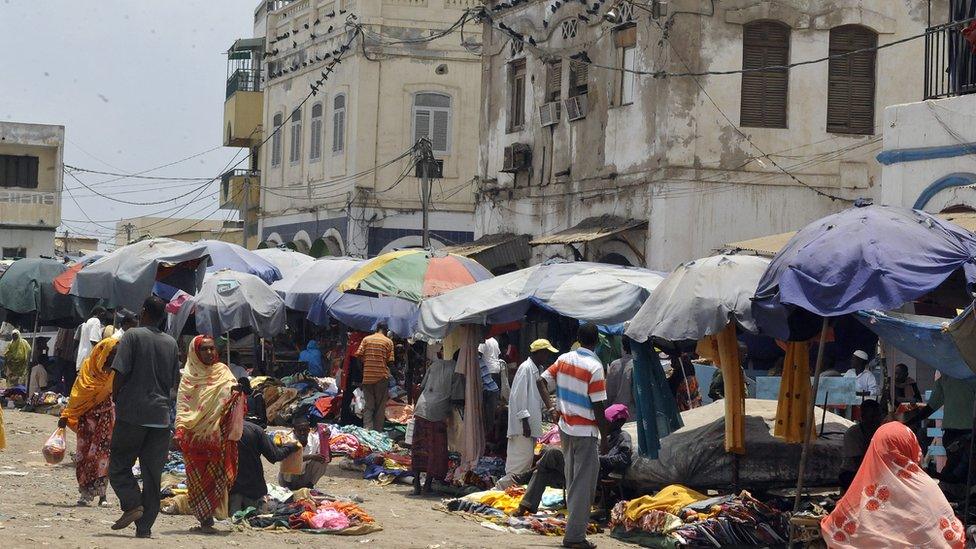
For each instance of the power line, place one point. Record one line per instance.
(131, 202)
(134, 176)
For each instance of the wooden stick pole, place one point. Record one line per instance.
(808, 429)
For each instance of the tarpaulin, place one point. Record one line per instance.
(948, 345)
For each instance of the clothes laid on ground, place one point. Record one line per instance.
(313, 512)
(490, 508)
(254, 444)
(794, 393)
(148, 361)
(892, 502)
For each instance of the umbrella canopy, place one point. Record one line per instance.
(414, 274)
(287, 261)
(700, 298)
(310, 281)
(64, 280)
(863, 258)
(230, 300)
(590, 292)
(364, 313)
(125, 277)
(224, 255)
(27, 287)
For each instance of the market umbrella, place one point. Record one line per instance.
(63, 282)
(27, 289)
(414, 274)
(310, 281)
(592, 292)
(364, 313)
(699, 299)
(224, 255)
(125, 277)
(230, 300)
(288, 262)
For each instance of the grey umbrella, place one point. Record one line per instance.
(699, 298)
(230, 300)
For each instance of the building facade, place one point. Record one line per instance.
(31, 177)
(608, 135)
(338, 177)
(187, 230)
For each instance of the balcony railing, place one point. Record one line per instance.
(225, 190)
(950, 62)
(243, 80)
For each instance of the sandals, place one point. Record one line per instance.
(585, 544)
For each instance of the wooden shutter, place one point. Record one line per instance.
(516, 109)
(765, 93)
(439, 131)
(421, 124)
(554, 80)
(579, 75)
(851, 81)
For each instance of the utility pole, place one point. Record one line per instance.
(247, 196)
(426, 158)
(65, 243)
(128, 232)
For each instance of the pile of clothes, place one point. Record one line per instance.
(277, 402)
(493, 509)
(356, 442)
(47, 402)
(310, 511)
(680, 517)
(483, 475)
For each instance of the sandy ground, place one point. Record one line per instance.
(38, 509)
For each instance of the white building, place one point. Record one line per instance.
(335, 179)
(31, 172)
(605, 164)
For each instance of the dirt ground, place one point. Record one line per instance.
(37, 509)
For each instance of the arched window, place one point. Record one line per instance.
(850, 84)
(765, 92)
(315, 139)
(276, 140)
(432, 119)
(295, 154)
(339, 123)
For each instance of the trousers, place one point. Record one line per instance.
(312, 471)
(582, 455)
(550, 470)
(374, 411)
(150, 445)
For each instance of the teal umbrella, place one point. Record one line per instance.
(27, 289)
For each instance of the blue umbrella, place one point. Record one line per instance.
(363, 313)
(863, 258)
(224, 255)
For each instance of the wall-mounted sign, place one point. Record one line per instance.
(27, 197)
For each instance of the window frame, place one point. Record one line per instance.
(578, 71)
(554, 81)
(315, 127)
(446, 151)
(762, 78)
(17, 165)
(277, 139)
(517, 76)
(832, 81)
(295, 137)
(339, 121)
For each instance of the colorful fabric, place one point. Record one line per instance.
(93, 386)
(312, 357)
(652, 521)
(15, 360)
(429, 451)
(580, 382)
(376, 352)
(671, 499)
(211, 471)
(414, 274)
(892, 502)
(794, 393)
(94, 442)
(725, 354)
(204, 397)
(353, 340)
(656, 410)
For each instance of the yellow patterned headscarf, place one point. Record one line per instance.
(94, 384)
(204, 397)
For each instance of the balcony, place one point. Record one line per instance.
(244, 104)
(950, 62)
(232, 186)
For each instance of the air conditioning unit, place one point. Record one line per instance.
(518, 157)
(549, 114)
(576, 107)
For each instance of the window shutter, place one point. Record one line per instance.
(421, 124)
(342, 130)
(764, 93)
(579, 73)
(440, 131)
(554, 80)
(626, 37)
(851, 81)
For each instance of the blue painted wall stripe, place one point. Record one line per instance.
(897, 156)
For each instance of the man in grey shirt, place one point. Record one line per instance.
(147, 374)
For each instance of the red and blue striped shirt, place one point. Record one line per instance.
(580, 381)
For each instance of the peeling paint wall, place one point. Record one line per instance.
(677, 156)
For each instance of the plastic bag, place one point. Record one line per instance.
(53, 449)
(408, 439)
(358, 402)
(291, 465)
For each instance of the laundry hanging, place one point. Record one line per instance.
(657, 411)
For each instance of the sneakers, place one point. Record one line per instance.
(128, 518)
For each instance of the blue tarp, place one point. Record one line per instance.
(224, 255)
(657, 412)
(363, 313)
(863, 258)
(941, 343)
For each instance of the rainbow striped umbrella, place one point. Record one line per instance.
(414, 274)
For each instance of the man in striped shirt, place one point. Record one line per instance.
(376, 353)
(581, 396)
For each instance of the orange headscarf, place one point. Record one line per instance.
(892, 501)
(94, 383)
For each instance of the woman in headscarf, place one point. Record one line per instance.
(312, 357)
(205, 404)
(16, 359)
(892, 502)
(91, 415)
